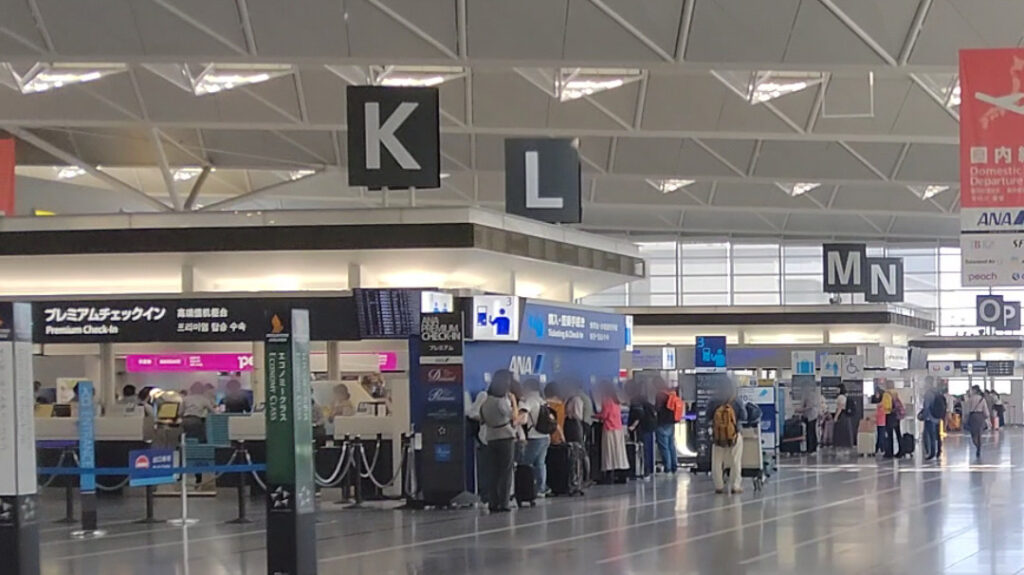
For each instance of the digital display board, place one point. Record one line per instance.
(387, 313)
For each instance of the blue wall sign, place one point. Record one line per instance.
(560, 364)
(709, 353)
(86, 435)
(571, 327)
(151, 467)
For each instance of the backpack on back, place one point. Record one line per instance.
(897, 406)
(939, 407)
(547, 420)
(724, 429)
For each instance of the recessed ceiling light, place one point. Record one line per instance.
(299, 174)
(929, 191)
(760, 86)
(43, 77)
(414, 76)
(69, 172)
(667, 186)
(186, 174)
(797, 188)
(215, 78)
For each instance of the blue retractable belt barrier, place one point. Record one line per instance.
(190, 470)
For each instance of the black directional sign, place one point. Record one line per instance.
(542, 179)
(394, 137)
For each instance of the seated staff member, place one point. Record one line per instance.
(235, 400)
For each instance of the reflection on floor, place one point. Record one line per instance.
(831, 515)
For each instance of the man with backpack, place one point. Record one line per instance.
(669, 408)
(726, 414)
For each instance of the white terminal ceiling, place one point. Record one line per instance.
(866, 148)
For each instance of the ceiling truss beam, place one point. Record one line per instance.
(633, 30)
(165, 170)
(859, 31)
(198, 25)
(923, 6)
(412, 27)
(197, 187)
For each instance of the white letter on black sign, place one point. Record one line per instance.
(533, 199)
(377, 134)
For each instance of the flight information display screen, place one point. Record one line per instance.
(387, 313)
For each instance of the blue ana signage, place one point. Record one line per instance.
(709, 353)
(551, 325)
(86, 435)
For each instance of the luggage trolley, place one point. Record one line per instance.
(757, 460)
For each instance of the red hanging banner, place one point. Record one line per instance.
(7, 177)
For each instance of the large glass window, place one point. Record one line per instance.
(715, 272)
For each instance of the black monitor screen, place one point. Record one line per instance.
(387, 313)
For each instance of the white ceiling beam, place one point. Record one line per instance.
(732, 167)
(462, 24)
(874, 226)
(64, 156)
(937, 98)
(899, 161)
(753, 158)
(856, 28)
(641, 101)
(247, 32)
(21, 40)
(685, 23)
(294, 119)
(923, 6)
(50, 122)
(198, 25)
(633, 30)
(892, 224)
(832, 197)
(165, 170)
(197, 187)
(693, 228)
(412, 27)
(252, 194)
(819, 101)
(300, 93)
(37, 17)
(771, 224)
(786, 119)
(299, 146)
(612, 115)
(864, 161)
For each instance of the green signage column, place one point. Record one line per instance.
(291, 518)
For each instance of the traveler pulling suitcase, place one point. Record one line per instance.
(525, 486)
(565, 469)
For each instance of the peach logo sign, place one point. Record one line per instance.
(179, 362)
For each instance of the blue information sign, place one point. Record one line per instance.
(709, 353)
(572, 327)
(151, 467)
(86, 435)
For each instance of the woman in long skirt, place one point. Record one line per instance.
(613, 436)
(842, 436)
(978, 416)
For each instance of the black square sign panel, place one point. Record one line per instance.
(542, 179)
(394, 137)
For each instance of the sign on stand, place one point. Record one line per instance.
(151, 467)
(710, 361)
(291, 506)
(440, 389)
(19, 527)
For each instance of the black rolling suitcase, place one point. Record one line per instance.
(907, 444)
(565, 469)
(792, 437)
(525, 486)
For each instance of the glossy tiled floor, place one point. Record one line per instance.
(831, 515)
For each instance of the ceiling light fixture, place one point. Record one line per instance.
(667, 186)
(413, 76)
(69, 172)
(797, 188)
(760, 86)
(186, 174)
(215, 78)
(299, 174)
(954, 96)
(928, 192)
(575, 83)
(43, 77)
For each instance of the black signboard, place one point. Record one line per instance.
(394, 137)
(387, 313)
(174, 320)
(706, 384)
(542, 179)
(441, 335)
(1001, 368)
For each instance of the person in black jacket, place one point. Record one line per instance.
(643, 420)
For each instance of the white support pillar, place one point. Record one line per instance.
(188, 278)
(512, 282)
(333, 361)
(355, 276)
(259, 374)
(108, 376)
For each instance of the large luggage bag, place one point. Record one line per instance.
(792, 437)
(565, 469)
(866, 444)
(525, 486)
(907, 444)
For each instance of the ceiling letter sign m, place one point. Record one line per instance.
(394, 138)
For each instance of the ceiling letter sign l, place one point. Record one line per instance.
(533, 198)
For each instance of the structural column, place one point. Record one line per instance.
(19, 528)
(108, 376)
(333, 361)
(259, 374)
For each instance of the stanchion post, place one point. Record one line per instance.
(346, 481)
(69, 491)
(184, 520)
(242, 505)
(358, 475)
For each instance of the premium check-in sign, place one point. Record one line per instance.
(394, 137)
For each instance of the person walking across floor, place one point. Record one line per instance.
(498, 415)
(977, 417)
(726, 413)
(669, 408)
(613, 436)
